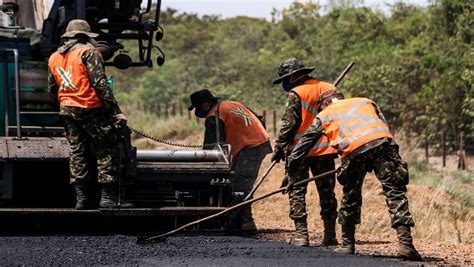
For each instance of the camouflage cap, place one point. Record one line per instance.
(328, 95)
(78, 26)
(290, 67)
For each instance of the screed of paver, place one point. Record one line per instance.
(180, 250)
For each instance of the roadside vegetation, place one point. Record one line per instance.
(416, 63)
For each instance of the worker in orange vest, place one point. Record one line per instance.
(303, 92)
(358, 130)
(89, 113)
(231, 122)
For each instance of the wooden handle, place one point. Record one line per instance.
(159, 238)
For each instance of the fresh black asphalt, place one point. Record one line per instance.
(204, 250)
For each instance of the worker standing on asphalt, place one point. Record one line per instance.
(89, 112)
(233, 123)
(303, 92)
(357, 129)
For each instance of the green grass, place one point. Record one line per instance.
(458, 184)
(466, 177)
(440, 218)
(465, 197)
(421, 173)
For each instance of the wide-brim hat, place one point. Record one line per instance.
(200, 97)
(290, 67)
(78, 26)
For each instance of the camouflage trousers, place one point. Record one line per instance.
(389, 169)
(246, 167)
(93, 132)
(325, 186)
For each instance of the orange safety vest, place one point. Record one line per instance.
(309, 93)
(351, 123)
(75, 89)
(241, 127)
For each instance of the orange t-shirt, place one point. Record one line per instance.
(242, 128)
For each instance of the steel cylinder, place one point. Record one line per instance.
(179, 156)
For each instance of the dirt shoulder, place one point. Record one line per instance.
(440, 237)
(385, 246)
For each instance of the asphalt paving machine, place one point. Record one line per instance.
(34, 174)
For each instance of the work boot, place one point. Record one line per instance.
(82, 200)
(329, 238)
(406, 250)
(301, 234)
(248, 227)
(348, 240)
(110, 199)
(247, 224)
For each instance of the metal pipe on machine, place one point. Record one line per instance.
(180, 156)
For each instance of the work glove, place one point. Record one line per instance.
(278, 155)
(287, 183)
(121, 119)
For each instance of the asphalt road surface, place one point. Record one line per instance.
(180, 250)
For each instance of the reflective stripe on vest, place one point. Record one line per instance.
(241, 127)
(309, 93)
(353, 122)
(345, 143)
(72, 78)
(310, 108)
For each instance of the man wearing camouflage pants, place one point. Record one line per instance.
(303, 92)
(358, 130)
(89, 113)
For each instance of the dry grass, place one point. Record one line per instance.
(438, 216)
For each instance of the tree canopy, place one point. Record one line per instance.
(416, 63)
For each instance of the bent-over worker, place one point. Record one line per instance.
(358, 130)
(233, 123)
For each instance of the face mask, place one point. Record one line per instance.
(287, 85)
(200, 113)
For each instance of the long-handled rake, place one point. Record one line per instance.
(160, 238)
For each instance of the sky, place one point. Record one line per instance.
(253, 8)
(256, 8)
